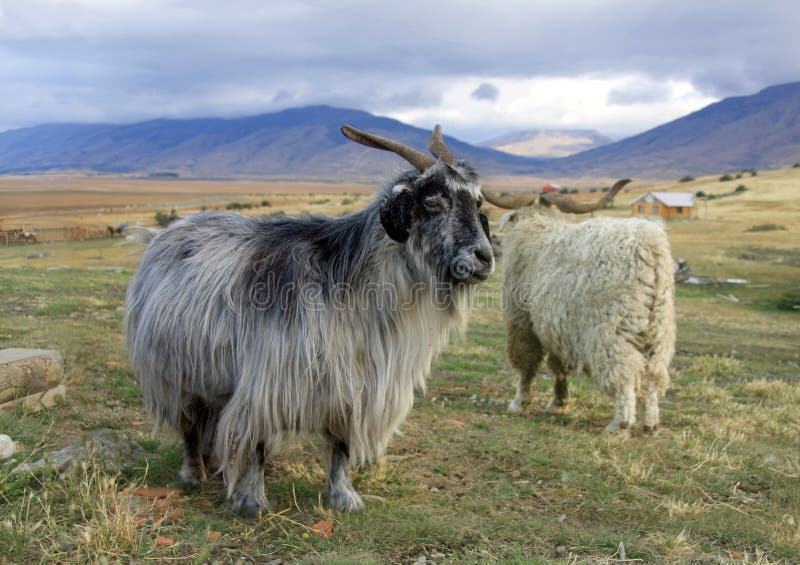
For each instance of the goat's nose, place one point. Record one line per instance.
(484, 256)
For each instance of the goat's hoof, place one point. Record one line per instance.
(346, 501)
(650, 429)
(515, 406)
(554, 408)
(618, 428)
(186, 485)
(248, 507)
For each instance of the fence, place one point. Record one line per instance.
(30, 236)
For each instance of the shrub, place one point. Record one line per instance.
(738, 175)
(593, 189)
(347, 201)
(741, 188)
(700, 194)
(713, 367)
(564, 191)
(790, 301)
(725, 178)
(796, 165)
(767, 227)
(163, 220)
(606, 188)
(266, 203)
(238, 206)
(753, 172)
(320, 202)
(687, 178)
(573, 191)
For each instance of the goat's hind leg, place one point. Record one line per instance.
(340, 487)
(558, 404)
(195, 422)
(525, 353)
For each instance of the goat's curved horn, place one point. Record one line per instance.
(509, 202)
(438, 147)
(416, 158)
(571, 206)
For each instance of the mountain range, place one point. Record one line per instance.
(547, 143)
(760, 131)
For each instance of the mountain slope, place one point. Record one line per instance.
(547, 143)
(761, 131)
(303, 142)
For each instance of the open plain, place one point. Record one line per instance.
(466, 481)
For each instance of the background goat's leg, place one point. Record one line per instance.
(249, 497)
(340, 488)
(525, 352)
(558, 403)
(194, 422)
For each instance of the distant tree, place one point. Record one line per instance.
(725, 178)
(687, 178)
(163, 220)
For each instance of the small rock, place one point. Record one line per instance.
(105, 448)
(36, 255)
(65, 544)
(26, 371)
(7, 447)
(562, 518)
(561, 550)
(37, 401)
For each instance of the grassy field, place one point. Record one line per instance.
(466, 481)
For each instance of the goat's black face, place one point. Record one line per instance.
(437, 214)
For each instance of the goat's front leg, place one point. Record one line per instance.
(624, 409)
(340, 488)
(249, 498)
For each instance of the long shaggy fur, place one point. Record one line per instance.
(287, 325)
(597, 296)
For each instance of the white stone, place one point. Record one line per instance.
(7, 447)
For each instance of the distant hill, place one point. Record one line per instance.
(547, 143)
(299, 142)
(761, 131)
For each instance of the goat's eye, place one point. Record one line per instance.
(433, 203)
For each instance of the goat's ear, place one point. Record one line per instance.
(485, 224)
(396, 212)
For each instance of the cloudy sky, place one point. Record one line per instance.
(481, 68)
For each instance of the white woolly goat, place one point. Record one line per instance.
(595, 296)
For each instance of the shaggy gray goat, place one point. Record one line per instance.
(242, 330)
(595, 296)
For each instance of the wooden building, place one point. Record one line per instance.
(665, 205)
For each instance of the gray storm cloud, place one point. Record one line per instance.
(486, 91)
(76, 60)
